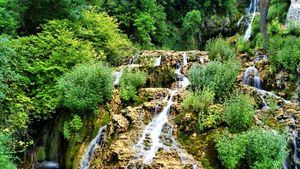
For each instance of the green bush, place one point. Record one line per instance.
(239, 112)
(72, 128)
(198, 101)
(274, 28)
(130, 82)
(211, 118)
(266, 149)
(293, 28)
(243, 46)
(219, 49)
(278, 9)
(6, 160)
(257, 148)
(218, 77)
(285, 53)
(85, 87)
(231, 149)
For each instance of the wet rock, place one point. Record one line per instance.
(120, 123)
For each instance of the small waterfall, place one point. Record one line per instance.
(251, 9)
(151, 139)
(131, 60)
(239, 22)
(185, 58)
(47, 165)
(117, 76)
(85, 161)
(157, 61)
(251, 78)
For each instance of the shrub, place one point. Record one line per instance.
(218, 77)
(198, 101)
(85, 87)
(219, 49)
(278, 9)
(210, 118)
(266, 149)
(72, 128)
(6, 160)
(239, 112)
(274, 28)
(130, 82)
(285, 53)
(293, 28)
(231, 149)
(243, 46)
(259, 149)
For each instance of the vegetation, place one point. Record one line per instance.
(218, 77)
(239, 112)
(260, 148)
(72, 128)
(130, 82)
(85, 87)
(6, 154)
(219, 50)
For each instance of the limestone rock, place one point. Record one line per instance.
(120, 123)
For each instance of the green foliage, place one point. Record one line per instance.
(266, 149)
(243, 46)
(41, 155)
(219, 50)
(85, 87)
(285, 53)
(6, 160)
(210, 118)
(231, 150)
(274, 28)
(72, 128)
(10, 11)
(258, 148)
(198, 101)
(145, 27)
(293, 28)
(278, 9)
(239, 112)
(191, 27)
(219, 77)
(130, 82)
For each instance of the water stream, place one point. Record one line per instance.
(152, 136)
(185, 58)
(251, 9)
(157, 61)
(85, 161)
(117, 76)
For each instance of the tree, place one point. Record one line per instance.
(264, 5)
(191, 27)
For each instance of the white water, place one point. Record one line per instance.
(47, 165)
(157, 61)
(251, 9)
(240, 20)
(185, 58)
(267, 93)
(117, 76)
(85, 161)
(252, 72)
(153, 131)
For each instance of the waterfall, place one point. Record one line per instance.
(150, 141)
(85, 161)
(248, 12)
(117, 76)
(251, 77)
(238, 23)
(47, 165)
(157, 61)
(185, 58)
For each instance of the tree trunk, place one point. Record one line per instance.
(264, 5)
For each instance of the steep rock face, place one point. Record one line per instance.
(294, 11)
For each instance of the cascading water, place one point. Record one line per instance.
(157, 61)
(150, 142)
(185, 58)
(251, 9)
(85, 161)
(117, 76)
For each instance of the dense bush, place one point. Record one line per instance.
(10, 11)
(72, 128)
(258, 148)
(198, 101)
(211, 118)
(219, 49)
(293, 28)
(85, 87)
(6, 160)
(278, 9)
(191, 28)
(231, 149)
(239, 112)
(243, 46)
(285, 53)
(219, 77)
(130, 82)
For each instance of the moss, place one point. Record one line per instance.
(41, 155)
